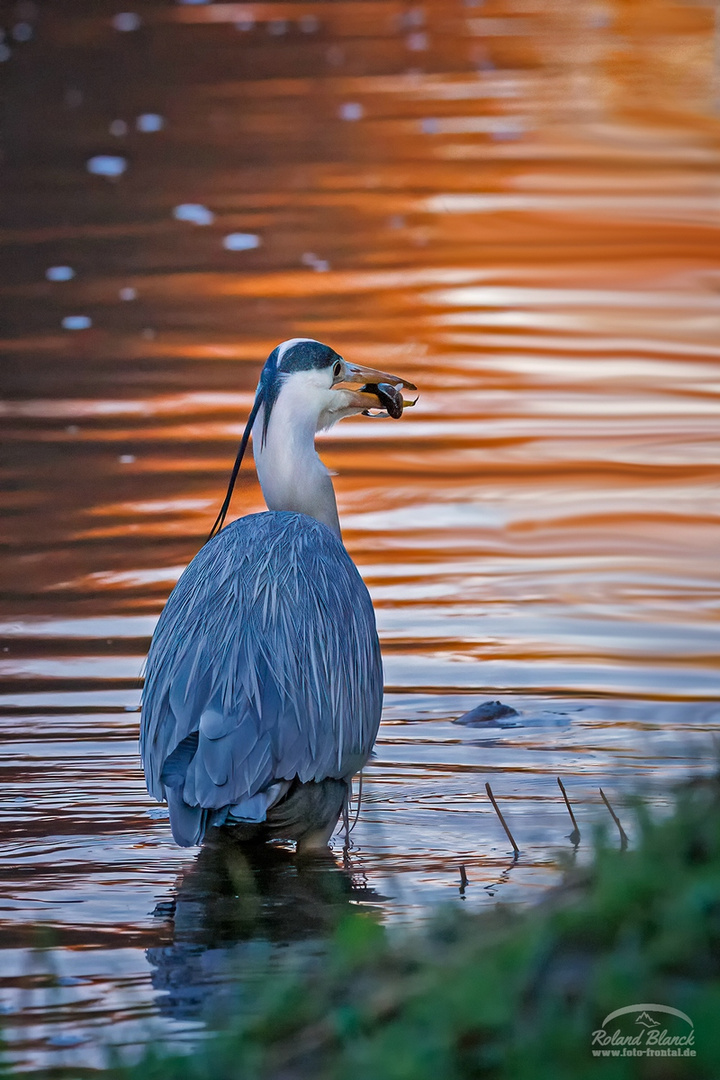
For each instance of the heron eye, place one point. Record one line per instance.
(337, 368)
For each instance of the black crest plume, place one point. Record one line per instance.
(220, 519)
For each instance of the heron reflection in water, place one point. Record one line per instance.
(264, 685)
(237, 909)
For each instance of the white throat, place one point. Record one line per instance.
(291, 474)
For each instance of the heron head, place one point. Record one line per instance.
(324, 388)
(320, 388)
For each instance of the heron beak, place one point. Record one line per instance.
(371, 389)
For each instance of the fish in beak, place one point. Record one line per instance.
(373, 392)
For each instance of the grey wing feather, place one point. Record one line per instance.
(264, 666)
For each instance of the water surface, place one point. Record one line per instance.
(517, 206)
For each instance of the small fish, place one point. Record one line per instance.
(390, 397)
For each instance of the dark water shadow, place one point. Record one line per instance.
(236, 909)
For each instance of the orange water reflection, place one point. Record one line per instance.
(515, 205)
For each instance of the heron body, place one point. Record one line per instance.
(263, 689)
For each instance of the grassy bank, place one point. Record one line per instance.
(511, 996)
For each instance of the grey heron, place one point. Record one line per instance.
(264, 684)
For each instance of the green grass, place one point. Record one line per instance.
(502, 995)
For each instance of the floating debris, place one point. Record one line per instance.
(241, 241)
(128, 293)
(507, 131)
(66, 1038)
(73, 97)
(417, 42)
(487, 713)
(312, 260)
(335, 55)
(351, 110)
(413, 18)
(110, 165)
(149, 122)
(59, 273)
(22, 31)
(309, 24)
(118, 128)
(195, 213)
(76, 322)
(126, 459)
(127, 21)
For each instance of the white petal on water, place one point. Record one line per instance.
(76, 322)
(59, 273)
(126, 459)
(118, 128)
(149, 122)
(507, 131)
(351, 110)
(312, 260)
(195, 213)
(239, 241)
(128, 293)
(127, 21)
(110, 165)
(429, 125)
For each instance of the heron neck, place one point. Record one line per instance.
(291, 474)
